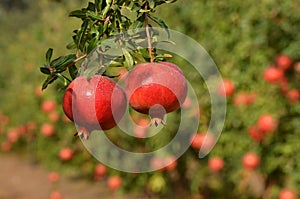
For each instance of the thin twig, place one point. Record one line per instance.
(148, 35)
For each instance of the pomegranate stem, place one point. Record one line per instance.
(148, 35)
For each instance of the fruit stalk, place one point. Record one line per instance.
(148, 35)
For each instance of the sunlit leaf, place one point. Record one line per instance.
(128, 63)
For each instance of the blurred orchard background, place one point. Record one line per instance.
(256, 48)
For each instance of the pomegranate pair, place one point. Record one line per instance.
(100, 103)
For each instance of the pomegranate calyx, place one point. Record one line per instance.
(156, 121)
(83, 133)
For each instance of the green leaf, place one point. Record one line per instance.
(128, 63)
(45, 70)
(78, 13)
(49, 55)
(81, 34)
(73, 71)
(98, 5)
(151, 3)
(60, 63)
(160, 23)
(92, 15)
(48, 81)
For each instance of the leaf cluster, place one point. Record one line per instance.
(102, 20)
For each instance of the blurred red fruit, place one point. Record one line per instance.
(216, 164)
(157, 163)
(250, 160)
(205, 140)
(31, 126)
(38, 92)
(227, 88)
(266, 123)
(56, 195)
(287, 194)
(273, 75)
(48, 106)
(66, 154)
(53, 177)
(5, 146)
(53, 116)
(100, 171)
(114, 182)
(283, 61)
(256, 134)
(12, 135)
(171, 163)
(243, 99)
(47, 130)
(141, 129)
(293, 96)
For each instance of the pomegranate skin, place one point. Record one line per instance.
(150, 84)
(94, 104)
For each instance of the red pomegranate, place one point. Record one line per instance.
(287, 194)
(226, 88)
(283, 61)
(216, 164)
(156, 89)
(251, 160)
(95, 103)
(266, 123)
(273, 75)
(114, 182)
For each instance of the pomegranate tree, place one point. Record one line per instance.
(156, 89)
(95, 103)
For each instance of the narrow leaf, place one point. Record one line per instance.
(61, 62)
(45, 70)
(128, 63)
(49, 55)
(48, 81)
(160, 23)
(78, 13)
(73, 71)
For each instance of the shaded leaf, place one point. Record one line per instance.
(48, 81)
(45, 70)
(73, 71)
(78, 13)
(61, 62)
(160, 22)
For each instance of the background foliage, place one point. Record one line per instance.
(242, 38)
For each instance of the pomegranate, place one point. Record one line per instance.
(256, 134)
(243, 99)
(114, 182)
(100, 171)
(205, 140)
(66, 154)
(96, 103)
(293, 96)
(53, 176)
(287, 194)
(266, 123)
(171, 163)
(156, 89)
(227, 88)
(283, 61)
(250, 160)
(56, 195)
(47, 129)
(48, 106)
(216, 164)
(273, 75)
